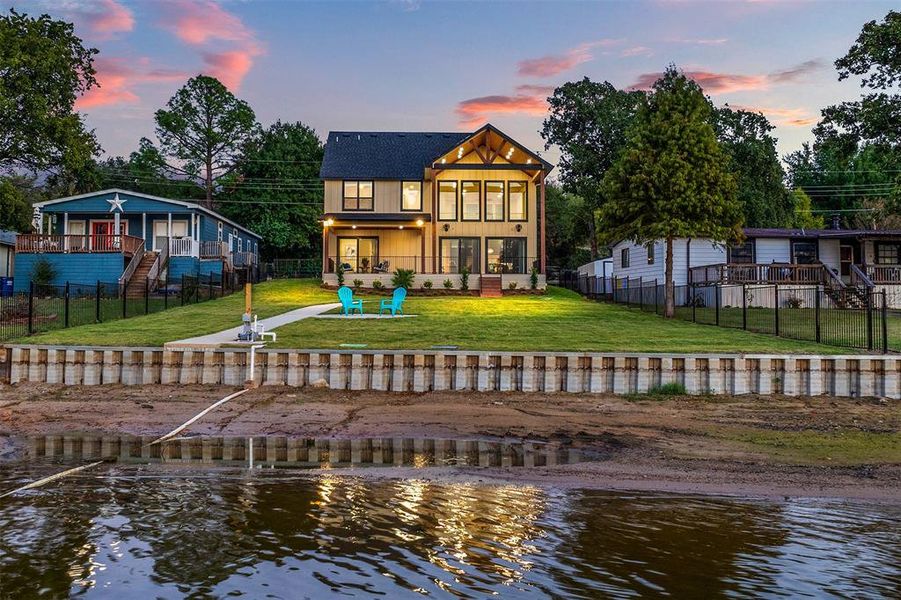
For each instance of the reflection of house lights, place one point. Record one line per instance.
(490, 250)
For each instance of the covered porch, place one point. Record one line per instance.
(375, 244)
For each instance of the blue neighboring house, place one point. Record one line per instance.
(128, 237)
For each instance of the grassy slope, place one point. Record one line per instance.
(560, 320)
(270, 299)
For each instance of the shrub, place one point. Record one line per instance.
(448, 284)
(377, 284)
(533, 278)
(427, 284)
(43, 272)
(358, 283)
(511, 285)
(464, 278)
(668, 389)
(364, 264)
(339, 271)
(794, 302)
(403, 278)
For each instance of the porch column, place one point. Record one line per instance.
(541, 241)
(66, 231)
(144, 229)
(117, 222)
(169, 230)
(324, 249)
(422, 239)
(435, 222)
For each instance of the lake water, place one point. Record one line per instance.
(142, 531)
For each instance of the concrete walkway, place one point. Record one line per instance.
(230, 336)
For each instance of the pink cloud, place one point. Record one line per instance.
(117, 78)
(476, 111)
(228, 45)
(724, 83)
(548, 66)
(637, 51)
(699, 41)
(103, 19)
(789, 117)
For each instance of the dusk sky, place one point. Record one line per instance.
(410, 65)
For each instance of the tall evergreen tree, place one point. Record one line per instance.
(672, 179)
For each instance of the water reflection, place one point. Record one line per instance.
(148, 531)
(283, 451)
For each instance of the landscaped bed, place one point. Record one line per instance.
(558, 320)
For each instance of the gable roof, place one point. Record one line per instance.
(189, 205)
(384, 154)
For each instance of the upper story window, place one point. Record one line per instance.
(472, 200)
(517, 194)
(625, 263)
(411, 195)
(742, 254)
(494, 200)
(447, 200)
(652, 253)
(219, 231)
(358, 195)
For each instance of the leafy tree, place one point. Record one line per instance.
(804, 217)
(204, 128)
(276, 192)
(145, 170)
(745, 136)
(855, 160)
(672, 180)
(43, 69)
(15, 207)
(588, 122)
(568, 228)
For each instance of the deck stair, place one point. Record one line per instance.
(135, 286)
(490, 286)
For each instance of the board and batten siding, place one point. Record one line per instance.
(701, 252)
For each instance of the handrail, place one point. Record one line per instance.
(132, 265)
(213, 249)
(87, 243)
(184, 247)
(159, 264)
(831, 280)
(884, 274)
(858, 278)
(750, 273)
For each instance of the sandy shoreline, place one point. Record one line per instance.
(750, 446)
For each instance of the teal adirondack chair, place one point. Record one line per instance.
(396, 304)
(348, 304)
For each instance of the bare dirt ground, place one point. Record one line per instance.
(767, 446)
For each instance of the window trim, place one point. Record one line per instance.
(402, 183)
(357, 239)
(525, 257)
(730, 247)
(476, 262)
(344, 195)
(816, 250)
(877, 245)
(503, 201)
(479, 203)
(652, 252)
(456, 200)
(625, 258)
(525, 205)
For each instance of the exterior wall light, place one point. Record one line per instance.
(419, 222)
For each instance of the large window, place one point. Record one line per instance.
(742, 254)
(652, 251)
(804, 253)
(358, 195)
(472, 200)
(624, 261)
(888, 253)
(505, 255)
(447, 200)
(359, 255)
(494, 200)
(517, 196)
(459, 253)
(411, 196)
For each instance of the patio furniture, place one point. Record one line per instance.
(348, 304)
(346, 267)
(382, 267)
(396, 304)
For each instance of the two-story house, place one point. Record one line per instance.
(439, 204)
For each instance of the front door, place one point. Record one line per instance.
(102, 234)
(360, 254)
(848, 253)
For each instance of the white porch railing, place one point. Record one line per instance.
(184, 247)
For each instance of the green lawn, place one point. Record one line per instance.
(270, 299)
(560, 320)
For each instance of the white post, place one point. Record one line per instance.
(250, 453)
(144, 229)
(66, 231)
(117, 241)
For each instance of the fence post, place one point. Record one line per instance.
(210, 295)
(817, 313)
(146, 295)
(97, 293)
(640, 293)
(181, 292)
(166, 294)
(123, 289)
(884, 323)
(776, 305)
(656, 299)
(694, 305)
(869, 296)
(30, 307)
(717, 290)
(197, 289)
(744, 306)
(66, 312)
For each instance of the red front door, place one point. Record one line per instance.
(102, 234)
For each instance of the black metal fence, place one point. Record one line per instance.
(291, 268)
(47, 307)
(848, 317)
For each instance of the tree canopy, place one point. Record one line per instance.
(672, 180)
(568, 231)
(202, 131)
(276, 191)
(44, 67)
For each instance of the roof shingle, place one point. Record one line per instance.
(384, 154)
